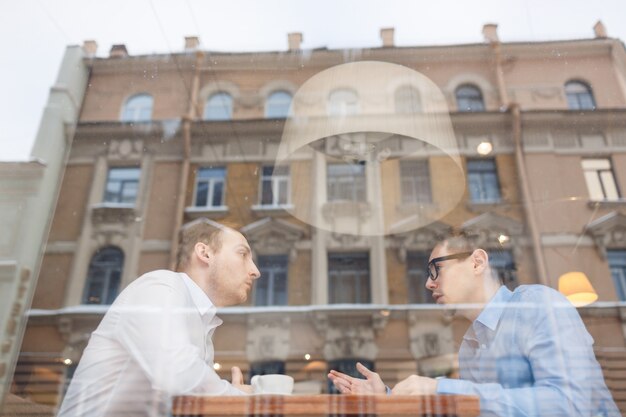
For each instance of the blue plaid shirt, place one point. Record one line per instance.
(528, 354)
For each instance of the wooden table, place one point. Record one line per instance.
(315, 405)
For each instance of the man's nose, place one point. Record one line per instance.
(254, 273)
(430, 284)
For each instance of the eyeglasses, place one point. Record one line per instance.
(433, 268)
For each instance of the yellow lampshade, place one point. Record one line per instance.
(577, 288)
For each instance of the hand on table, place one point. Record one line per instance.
(350, 385)
(416, 385)
(237, 380)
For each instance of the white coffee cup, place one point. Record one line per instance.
(272, 384)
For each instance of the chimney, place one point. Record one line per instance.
(490, 33)
(294, 40)
(386, 34)
(118, 51)
(192, 43)
(600, 30)
(90, 48)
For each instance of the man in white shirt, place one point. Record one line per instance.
(155, 340)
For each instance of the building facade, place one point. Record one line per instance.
(529, 158)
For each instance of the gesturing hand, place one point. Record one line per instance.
(350, 385)
(237, 380)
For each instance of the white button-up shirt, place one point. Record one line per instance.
(154, 342)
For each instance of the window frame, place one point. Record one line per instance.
(334, 181)
(106, 297)
(579, 100)
(600, 182)
(619, 281)
(362, 277)
(210, 188)
(469, 103)
(412, 195)
(409, 104)
(269, 269)
(133, 113)
(482, 175)
(284, 110)
(226, 107)
(275, 181)
(123, 183)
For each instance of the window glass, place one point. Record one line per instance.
(138, 108)
(469, 99)
(407, 100)
(348, 278)
(277, 105)
(579, 96)
(122, 185)
(343, 102)
(219, 107)
(275, 186)
(104, 276)
(416, 263)
(210, 187)
(346, 182)
(271, 288)
(483, 181)
(600, 179)
(415, 177)
(617, 264)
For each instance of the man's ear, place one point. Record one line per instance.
(201, 251)
(480, 258)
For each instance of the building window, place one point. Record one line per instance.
(275, 186)
(407, 100)
(271, 288)
(346, 182)
(277, 105)
(138, 108)
(104, 276)
(416, 275)
(503, 266)
(469, 98)
(210, 187)
(349, 278)
(579, 96)
(219, 107)
(483, 181)
(600, 179)
(617, 264)
(415, 182)
(343, 102)
(122, 185)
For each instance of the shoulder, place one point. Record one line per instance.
(538, 293)
(157, 284)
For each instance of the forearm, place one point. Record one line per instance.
(495, 400)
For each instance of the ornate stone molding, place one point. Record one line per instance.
(107, 213)
(429, 337)
(274, 236)
(486, 231)
(268, 338)
(349, 334)
(422, 239)
(126, 149)
(608, 231)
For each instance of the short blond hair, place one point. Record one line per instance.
(202, 230)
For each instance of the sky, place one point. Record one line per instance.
(35, 34)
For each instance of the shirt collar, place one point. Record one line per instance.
(490, 316)
(202, 301)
